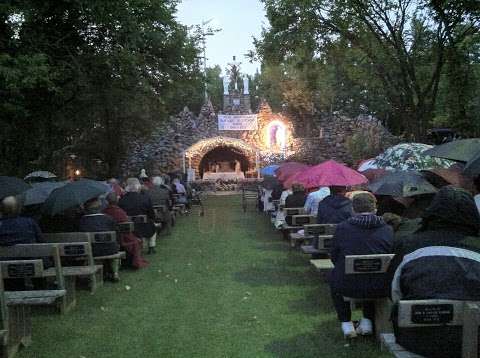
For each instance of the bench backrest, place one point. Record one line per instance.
(293, 211)
(428, 313)
(138, 219)
(367, 264)
(299, 220)
(324, 242)
(319, 229)
(67, 237)
(30, 251)
(99, 237)
(126, 227)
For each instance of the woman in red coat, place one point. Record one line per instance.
(128, 241)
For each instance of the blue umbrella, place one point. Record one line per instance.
(39, 192)
(269, 170)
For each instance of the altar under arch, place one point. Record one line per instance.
(222, 158)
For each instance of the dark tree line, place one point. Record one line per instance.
(87, 77)
(413, 63)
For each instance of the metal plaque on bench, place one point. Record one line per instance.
(104, 237)
(432, 314)
(21, 270)
(73, 250)
(302, 220)
(367, 265)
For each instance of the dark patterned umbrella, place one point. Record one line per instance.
(11, 186)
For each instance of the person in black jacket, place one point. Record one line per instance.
(136, 203)
(441, 260)
(335, 208)
(295, 200)
(95, 221)
(363, 234)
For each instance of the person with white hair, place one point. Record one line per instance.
(15, 229)
(134, 203)
(160, 195)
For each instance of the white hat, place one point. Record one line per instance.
(143, 174)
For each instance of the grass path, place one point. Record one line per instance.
(222, 285)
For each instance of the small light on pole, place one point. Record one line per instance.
(78, 172)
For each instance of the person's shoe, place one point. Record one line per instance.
(348, 330)
(365, 327)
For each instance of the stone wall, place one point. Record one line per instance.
(163, 150)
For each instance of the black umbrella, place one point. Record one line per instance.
(461, 150)
(11, 186)
(73, 194)
(402, 184)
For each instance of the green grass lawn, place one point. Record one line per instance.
(222, 285)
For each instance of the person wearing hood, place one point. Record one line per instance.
(365, 233)
(441, 260)
(335, 208)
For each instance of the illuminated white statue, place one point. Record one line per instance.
(245, 84)
(226, 82)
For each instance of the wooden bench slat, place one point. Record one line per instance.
(120, 255)
(38, 297)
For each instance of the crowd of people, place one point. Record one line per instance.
(434, 239)
(133, 197)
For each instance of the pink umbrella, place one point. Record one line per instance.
(292, 179)
(330, 173)
(287, 169)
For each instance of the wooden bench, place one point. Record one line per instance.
(15, 326)
(321, 246)
(112, 261)
(431, 313)
(372, 264)
(323, 266)
(311, 232)
(251, 195)
(80, 252)
(24, 262)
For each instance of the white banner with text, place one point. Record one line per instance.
(237, 122)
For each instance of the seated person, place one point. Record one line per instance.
(95, 221)
(314, 198)
(160, 195)
(335, 208)
(295, 200)
(128, 241)
(441, 260)
(179, 189)
(15, 229)
(135, 203)
(363, 234)
(66, 221)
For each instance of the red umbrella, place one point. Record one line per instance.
(292, 179)
(287, 169)
(330, 173)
